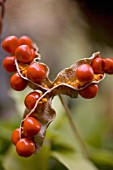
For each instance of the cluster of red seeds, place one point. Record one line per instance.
(22, 50)
(25, 146)
(85, 73)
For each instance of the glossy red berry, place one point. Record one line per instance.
(31, 127)
(36, 72)
(10, 44)
(33, 54)
(24, 54)
(31, 99)
(98, 65)
(84, 72)
(15, 136)
(25, 40)
(108, 66)
(89, 92)
(25, 147)
(17, 82)
(9, 64)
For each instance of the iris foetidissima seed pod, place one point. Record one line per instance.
(65, 83)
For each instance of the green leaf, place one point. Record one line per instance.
(102, 157)
(1, 166)
(59, 142)
(90, 120)
(73, 161)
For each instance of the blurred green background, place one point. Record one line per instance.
(65, 31)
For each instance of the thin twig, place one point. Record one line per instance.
(2, 11)
(74, 128)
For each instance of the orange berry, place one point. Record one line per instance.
(36, 72)
(25, 40)
(9, 64)
(10, 44)
(17, 82)
(84, 72)
(31, 127)
(15, 136)
(25, 147)
(24, 54)
(89, 92)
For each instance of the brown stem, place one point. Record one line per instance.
(2, 10)
(74, 128)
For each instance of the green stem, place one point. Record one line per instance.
(74, 128)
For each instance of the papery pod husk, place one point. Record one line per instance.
(68, 77)
(22, 71)
(45, 114)
(65, 83)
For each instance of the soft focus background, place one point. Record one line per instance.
(65, 31)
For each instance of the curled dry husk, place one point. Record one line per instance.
(65, 83)
(22, 70)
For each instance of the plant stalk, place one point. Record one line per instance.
(74, 128)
